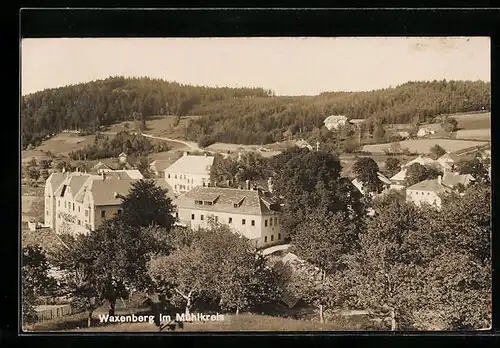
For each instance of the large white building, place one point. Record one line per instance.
(78, 203)
(248, 212)
(428, 192)
(335, 121)
(188, 172)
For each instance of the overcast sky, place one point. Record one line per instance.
(289, 66)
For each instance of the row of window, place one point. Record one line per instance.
(183, 187)
(422, 193)
(182, 177)
(272, 238)
(71, 206)
(230, 220)
(103, 212)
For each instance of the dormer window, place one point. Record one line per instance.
(239, 203)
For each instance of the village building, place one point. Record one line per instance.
(188, 172)
(249, 212)
(425, 131)
(448, 161)
(451, 179)
(335, 121)
(386, 183)
(78, 203)
(427, 192)
(158, 167)
(303, 144)
(398, 180)
(403, 134)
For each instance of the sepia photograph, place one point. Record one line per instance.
(255, 184)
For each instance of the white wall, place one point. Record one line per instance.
(418, 197)
(189, 181)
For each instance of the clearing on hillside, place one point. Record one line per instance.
(468, 121)
(60, 144)
(159, 125)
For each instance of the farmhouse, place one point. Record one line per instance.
(249, 212)
(398, 179)
(302, 144)
(425, 131)
(334, 122)
(427, 192)
(79, 202)
(448, 161)
(451, 180)
(188, 172)
(403, 134)
(158, 167)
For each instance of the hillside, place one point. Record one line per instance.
(237, 115)
(88, 106)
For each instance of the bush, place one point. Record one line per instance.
(205, 140)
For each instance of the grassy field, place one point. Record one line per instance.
(63, 143)
(473, 134)
(471, 121)
(31, 203)
(231, 323)
(159, 125)
(422, 146)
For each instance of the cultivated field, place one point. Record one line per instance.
(59, 145)
(31, 203)
(471, 121)
(422, 146)
(473, 134)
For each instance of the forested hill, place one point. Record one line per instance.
(89, 105)
(264, 120)
(236, 115)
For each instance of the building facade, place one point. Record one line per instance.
(78, 203)
(248, 212)
(427, 192)
(188, 172)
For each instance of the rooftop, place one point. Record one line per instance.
(192, 164)
(453, 179)
(428, 185)
(229, 200)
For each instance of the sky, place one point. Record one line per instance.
(288, 66)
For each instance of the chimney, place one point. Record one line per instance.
(439, 179)
(228, 182)
(205, 154)
(115, 194)
(247, 182)
(103, 176)
(185, 153)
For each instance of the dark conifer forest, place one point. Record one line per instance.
(237, 115)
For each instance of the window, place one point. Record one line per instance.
(201, 217)
(243, 221)
(86, 212)
(428, 193)
(216, 219)
(265, 239)
(253, 222)
(270, 221)
(272, 237)
(279, 236)
(78, 208)
(175, 176)
(64, 204)
(192, 216)
(79, 223)
(230, 220)
(73, 206)
(103, 213)
(176, 215)
(275, 221)
(58, 203)
(265, 222)
(168, 175)
(119, 211)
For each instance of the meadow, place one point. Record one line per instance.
(422, 146)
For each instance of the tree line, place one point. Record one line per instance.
(238, 115)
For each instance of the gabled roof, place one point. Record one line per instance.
(55, 179)
(251, 202)
(164, 184)
(399, 176)
(423, 160)
(103, 191)
(160, 165)
(449, 158)
(192, 164)
(101, 165)
(453, 179)
(428, 185)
